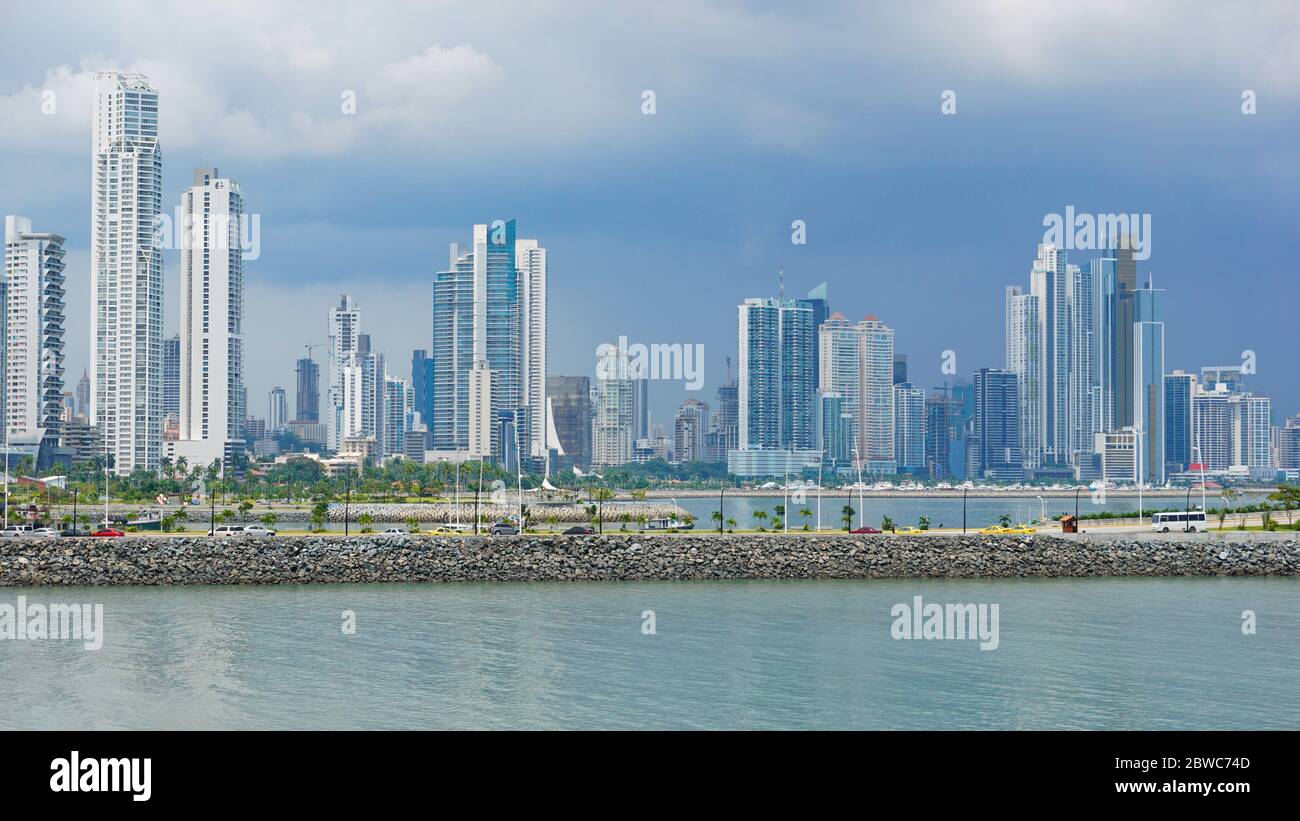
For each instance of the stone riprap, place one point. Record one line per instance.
(182, 560)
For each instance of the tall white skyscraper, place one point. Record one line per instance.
(489, 345)
(613, 422)
(211, 321)
(33, 306)
(361, 412)
(530, 262)
(875, 440)
(277, 412)
(1023, 358)
(839, 363)
(344, 328)
(126, 273)
(1048, 280)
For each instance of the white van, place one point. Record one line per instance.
(1190, 521)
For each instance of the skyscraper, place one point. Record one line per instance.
(344, 328)
(570, 412)
(277, 413)
(1024, 359)
(212, 406)
(126, 273)
(531, 265)
(909, 428)
(308, 393)
(997, 419)
(689, 426)
(777, 388)
(489, 343)
(875, 442)
(422, 385)
(728, 415)
(397, 399)
(83, 395)
(820, 305)
(1123, 343)
(1179, 389)
(614, 422)
(1048, 280)
(33, 333)
(840, 362)
(1148, 383)
(171, 403)
(361, 413)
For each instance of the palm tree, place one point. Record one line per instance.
(887, 523)
(268, 519)
(807, 514)
(761, 516)
(731, 524)
(1005, 520)
(846, 516)
(923, 523)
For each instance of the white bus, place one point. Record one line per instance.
(1189, 520)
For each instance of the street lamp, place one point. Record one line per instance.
(1042, 510)
(963, 509)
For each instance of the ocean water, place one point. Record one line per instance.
(1072, 653)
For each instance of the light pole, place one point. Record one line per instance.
(858, 459)
(1042, 510)
(1138, 431)
(963, 509)
(347, 500)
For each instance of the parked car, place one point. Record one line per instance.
(443, 530)
(580, 530)
(227, 530)
(504, 529)
(393, 533)
(994, 530)
(909, 531)
(16, 531)
(46, 533)
(1023, 530)
(258, 530)
(108, 532)
(865, 530)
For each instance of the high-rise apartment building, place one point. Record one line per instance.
(1179, 389)
(689, 428)
(212, 405)
(777, 389)
(489, 344)
(570, 413)
(344, 330)
(996, 437)
(277, 412)
(307, 407)
(361, 413)
(614, 421)
(909, 428)
(1148, 383)
(126, 271)
(422, 385)
(1024, 358)
(171, 402)
(33, 334)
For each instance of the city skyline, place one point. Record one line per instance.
(897, 220)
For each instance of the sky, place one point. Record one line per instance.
(658, 225)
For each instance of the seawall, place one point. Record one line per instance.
(190, 560)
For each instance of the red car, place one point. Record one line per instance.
(865, 530)
(108, 531)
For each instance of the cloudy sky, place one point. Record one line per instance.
(657, 225)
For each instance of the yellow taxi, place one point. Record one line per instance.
(994, 530)
(1020, 530)
(909, 531)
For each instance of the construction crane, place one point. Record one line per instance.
(313, 346)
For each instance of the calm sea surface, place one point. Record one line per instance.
(1073, 653)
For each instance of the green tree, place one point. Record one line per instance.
(846, 516)
(1005, 520)
(1289, 496)
(807, 515)
(760, 516)
(887, 523)
(731, 524)
(923, 523)
(268, 519)
(365, 520)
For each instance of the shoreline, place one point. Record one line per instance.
(188, 560)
